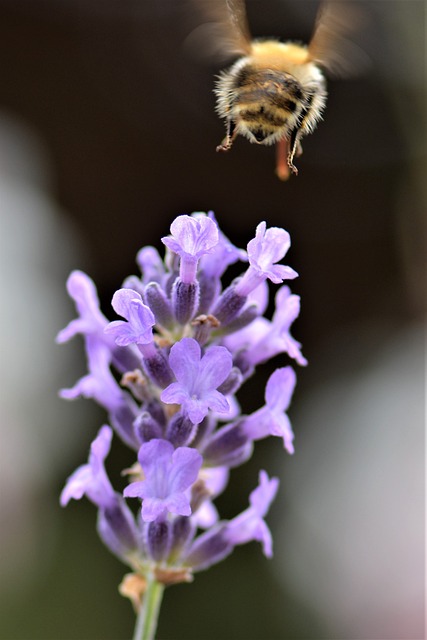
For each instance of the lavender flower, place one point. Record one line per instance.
(168, 474)
(198, 379)
(181, 352)
(272, 420)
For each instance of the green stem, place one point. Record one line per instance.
(146, 624)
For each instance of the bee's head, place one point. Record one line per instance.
(259, 136)
(256, 134)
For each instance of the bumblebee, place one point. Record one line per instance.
(275, 92)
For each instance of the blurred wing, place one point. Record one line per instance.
(330, 46)
(224, 31)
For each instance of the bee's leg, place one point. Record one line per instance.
(229, 138)
(294, 148)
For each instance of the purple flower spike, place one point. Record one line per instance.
(272, 419)
(91, 479)
(140, 319)
(250, 524)
(191, 239)
(198, 379)
(91, 321)
(268, 247)
(168, 475)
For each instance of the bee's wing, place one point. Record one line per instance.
(330, 46)
(224, 31)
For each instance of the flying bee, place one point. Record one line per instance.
(275, 92)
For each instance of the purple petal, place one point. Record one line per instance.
(152, 508)
(186, 465)
(192, 237)
(135, 490)
(175, 393)
(155, 458)
(184, 359)
(249, 525)
(279, 389)
(214, 368)
(262, 497)
(216, 401)
(76, 484)
(280, 426)
(151, 265)
(178, 503)
(168, 474)
(83, 291)
(91, 479)
(140, 319)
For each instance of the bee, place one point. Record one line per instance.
(275, 92)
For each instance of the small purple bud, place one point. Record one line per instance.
(122, 418)
(185, 300)
(155, 409)
(116, 527)
(159, 305)
(157, 369)
(232, 383)
(181, 430)
(229, 446)
(208, 549)
(209, 289)
(183, 532)
(134, 283)
(158, 540)
(204, 429)
(229, 305)
(245, 318)
(146, 428)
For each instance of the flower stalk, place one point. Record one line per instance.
(148, 615)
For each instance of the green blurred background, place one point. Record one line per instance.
(107, 132)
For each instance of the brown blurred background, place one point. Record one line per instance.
(107, 132)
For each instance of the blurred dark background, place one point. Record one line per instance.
(107, 132)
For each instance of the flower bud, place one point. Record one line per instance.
(185, 300)
(116, 527)
(209, 548)
(232, 383)
(229, 446)
(159, 305)
(181, 430)
(183, 530)
(158, 539)
(228, 306)
(146, 428)
(157, 369)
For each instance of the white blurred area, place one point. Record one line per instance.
(351, 541)
(38, 248)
